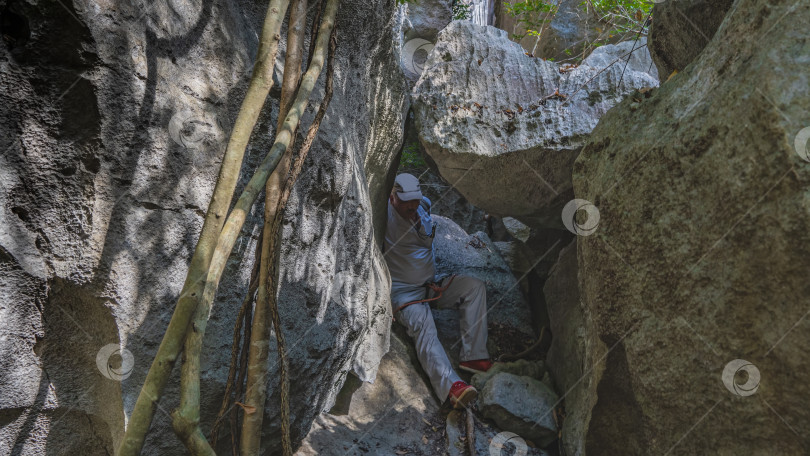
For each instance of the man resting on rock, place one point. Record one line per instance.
(414, 286)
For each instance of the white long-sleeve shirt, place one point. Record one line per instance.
(409, 249)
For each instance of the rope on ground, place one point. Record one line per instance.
(524, 353)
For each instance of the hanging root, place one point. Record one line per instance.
(273, 251)
(260, 341)
(241, 321)
(186, 417)
(295, 171)
(260, 84)
(240, 383)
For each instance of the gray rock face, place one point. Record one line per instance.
(425, 19)
(702, 251)
(391, 414)
(487, 116)
(482, 12)
(570, 331)
(114, 121)
(520, 368)
(521, 405)
(419, 26)
(488, 439)
(680, 30)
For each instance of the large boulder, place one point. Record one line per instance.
(487, 113)
(571, 331)
(425, 19)
(521, 405)
(700, 258)
(418, 28)
(115, 120)
(681, 29)
(390, 416)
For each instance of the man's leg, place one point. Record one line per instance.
(469, 295)
(418, 320)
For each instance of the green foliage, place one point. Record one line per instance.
(461, 10)
(411, 156)
(619, 20)
(530, 15)
(620, 16)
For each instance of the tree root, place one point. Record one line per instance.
(470, 431)
(242, 320)
(186, 417)
(260, 341)
(260, 84)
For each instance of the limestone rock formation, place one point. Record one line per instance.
(521, 368)
(702, 251)
(680, 30)
(115, 119)
(521, 405)
(571, 332)
(488, 439)
(488, 116)
(419, 25)
(425, 19)
(388, 416)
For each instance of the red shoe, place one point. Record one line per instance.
(478, 366)
(462, 394)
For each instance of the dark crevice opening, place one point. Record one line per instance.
(14, 28)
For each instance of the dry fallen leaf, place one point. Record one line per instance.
(424, 440)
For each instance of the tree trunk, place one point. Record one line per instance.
(260, 84)
(260, 336)
(186, 418)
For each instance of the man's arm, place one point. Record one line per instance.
(424, 225)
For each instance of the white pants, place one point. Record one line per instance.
(467, 294)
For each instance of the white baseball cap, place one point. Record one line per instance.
(407, 187)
